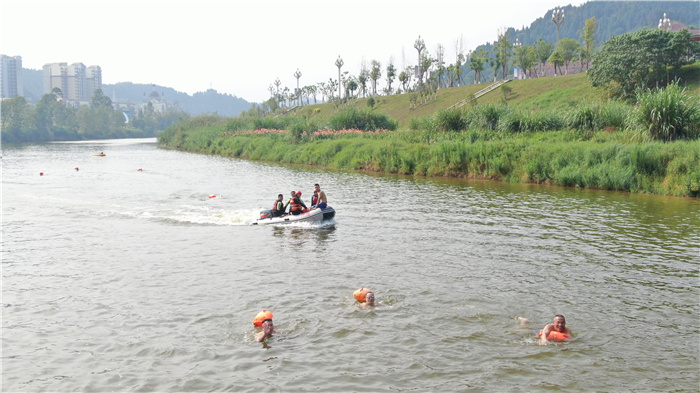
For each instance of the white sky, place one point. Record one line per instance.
(241, 47)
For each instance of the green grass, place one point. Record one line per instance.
(555, 130)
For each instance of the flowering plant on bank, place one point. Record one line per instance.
(319, 133)
(259, 131)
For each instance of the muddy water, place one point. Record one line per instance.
(120, 279)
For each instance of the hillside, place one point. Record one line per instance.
(612, 17)
(547, 93)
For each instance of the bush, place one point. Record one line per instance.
(486, 116)
(668, 114)
(366, 120)
(450, 119)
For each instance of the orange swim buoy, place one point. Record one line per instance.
(361, 294)
(140, 170)
(262, 316)
(555, 336)
(212, 196)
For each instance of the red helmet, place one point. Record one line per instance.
(298, 192)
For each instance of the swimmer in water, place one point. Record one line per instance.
(557, 326)
(369, 300)
(267, 329)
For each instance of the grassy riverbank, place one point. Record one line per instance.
(599, 145)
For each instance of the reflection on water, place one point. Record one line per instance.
(118, 279)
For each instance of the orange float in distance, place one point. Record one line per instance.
(262, 315)
(361, 294)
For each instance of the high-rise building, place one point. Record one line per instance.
(55, 76)
(77, 83)
(93, 77)
(11, 82)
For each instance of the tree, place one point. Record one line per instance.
(405, 78)
(419, 45)
(375, 74)
(440, 63)
(556, 59)
(569, 48)
(99, 99)
(476, 63)
(502, 50)
(14, 113)
(351, 86)
(543, 50)
(459, 59)
(425, 63)
(642, 59)
(390, 74)
(588, 36)
(524, 57)
(362, 80)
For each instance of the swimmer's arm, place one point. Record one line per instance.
(545, 332)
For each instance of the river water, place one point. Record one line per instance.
(120, 279)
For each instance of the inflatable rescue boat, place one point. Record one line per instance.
(311, 216)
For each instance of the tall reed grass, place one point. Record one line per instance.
(668, 114)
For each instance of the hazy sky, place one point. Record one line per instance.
(241, 47)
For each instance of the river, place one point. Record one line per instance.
(124, 275)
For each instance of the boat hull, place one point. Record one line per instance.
(312, 216)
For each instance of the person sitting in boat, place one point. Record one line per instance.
(322, 200)
(556, 331)
(314, 199)
(296, 206)
(279, 207)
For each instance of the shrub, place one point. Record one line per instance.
(668, 114)
(486, 116)
(450, 119)
(366, 120)
(585, 117)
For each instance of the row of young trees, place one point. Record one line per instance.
(52, 120)
(432, 72)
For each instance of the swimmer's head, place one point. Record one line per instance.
(268, 327)
(559, 323)
(369, 298)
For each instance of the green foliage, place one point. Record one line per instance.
(451, 119)
(352, 118)
(486, 116)
(641, 59)
(668, 114)
(570, 158)
(371, 102)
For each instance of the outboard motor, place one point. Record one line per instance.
(265, 214)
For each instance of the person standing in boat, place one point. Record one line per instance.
(279, 206)
(296, 206)
(322, 200)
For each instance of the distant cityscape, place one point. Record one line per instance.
(76, 82)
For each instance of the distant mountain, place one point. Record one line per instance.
(209, 101)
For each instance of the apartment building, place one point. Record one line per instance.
(11, 82)
(77, 82)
